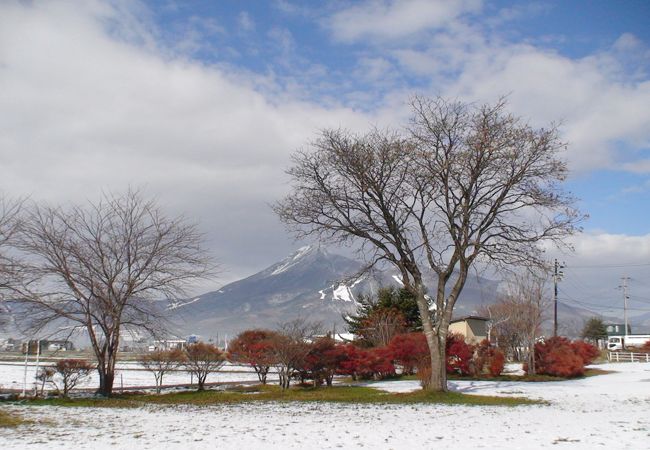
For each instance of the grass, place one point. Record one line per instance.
(8, 420)
(254, 394)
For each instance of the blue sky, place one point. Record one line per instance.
(292, 41)
(202, 102)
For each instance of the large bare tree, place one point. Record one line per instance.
(12, 273)
(465, 185)
(107, 267)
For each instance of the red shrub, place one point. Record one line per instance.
(459, 355)
(586, 351)
(645, 348)
(349, 363)
(409, 350)
(375, 363)
(497, 362)
(487, 359)
(556, 356)
(324, 359)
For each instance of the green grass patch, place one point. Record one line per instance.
(254, 394)
(9, 420)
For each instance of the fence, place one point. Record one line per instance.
(628, 357)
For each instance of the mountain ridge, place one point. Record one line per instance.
(311, 283)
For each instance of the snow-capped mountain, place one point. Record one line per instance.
(311, 283)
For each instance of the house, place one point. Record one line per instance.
(168, 344)
(474, 328)
(34, 346)
(617, 329)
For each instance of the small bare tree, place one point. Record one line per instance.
(467, 185)
(71, 372)
(202, 359)
(106, 267)
(45, 375)
(290, 346)
(160, 362)
(382, 325)
(519, 314)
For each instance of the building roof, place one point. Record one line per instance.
(465, 318)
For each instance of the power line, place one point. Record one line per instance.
(584, 303)
(609, 266)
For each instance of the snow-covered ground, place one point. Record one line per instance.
(128, 374)
(609, 411)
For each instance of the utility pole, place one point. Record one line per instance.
(557, 276)
(625, 297)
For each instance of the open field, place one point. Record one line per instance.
(606, 411)
(129, 374)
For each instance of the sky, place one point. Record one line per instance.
(201, 104)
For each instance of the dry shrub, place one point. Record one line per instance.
(424, 375)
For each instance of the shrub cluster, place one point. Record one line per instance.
(558, 356)
(320, 359)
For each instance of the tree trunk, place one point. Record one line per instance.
(438, 366)
(438, 378)
(106, 378)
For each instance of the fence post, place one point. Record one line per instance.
(631, 356)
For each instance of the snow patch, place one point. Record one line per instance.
(176, 305)
(398, 279)
(343, 293)
(292, 260)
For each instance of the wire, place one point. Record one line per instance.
(608, 266)
(594, 305)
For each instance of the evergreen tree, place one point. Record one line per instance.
(594, 329)
(399, 301)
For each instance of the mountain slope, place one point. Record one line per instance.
(311, 283)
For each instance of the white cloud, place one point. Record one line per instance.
(246, 23)
(592, 274)
(84, 111)
(600, 99)
(393, 19)
(641, 166)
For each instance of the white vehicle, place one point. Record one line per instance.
(615, 343)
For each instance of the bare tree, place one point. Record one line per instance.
(106, 267)
(519, 315)
(71, 372)
(202, 359)
(382, 325)
(160, 362)
(12, 273)
(45, 375)
(290, 346)
(467, 185)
